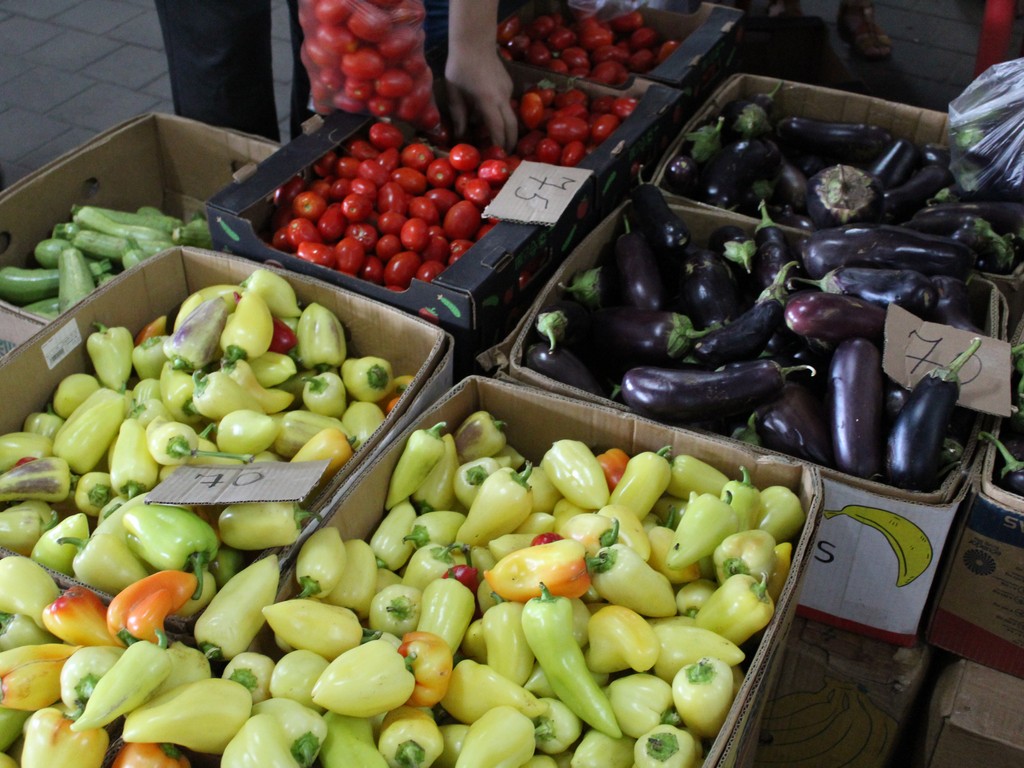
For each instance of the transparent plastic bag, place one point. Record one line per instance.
(986, 134)
(367, 56)
(605, 9)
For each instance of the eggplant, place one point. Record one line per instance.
(705, 142)
(682, 175)
(900, 202)
(894, 397)
(953, 304)
(744, 119)
(741, 174)
(663, 228)
(563, 323)
(708, 293)
(594, 288)
(684, 395)
(915, 442)
(734, 244)
(787, 217)
(1009, 467)
(884, 245)
(897, 162)
(562, 365)
(997, 254)
(794, 423)
(906, 288)
(748, 335)
(830, 318)
(842, 194)
(791, 186)
(640, 279)
(1006, 218)
(855, 408)
(933, 153)
(724, 234)
(846, 142)
(640, 336)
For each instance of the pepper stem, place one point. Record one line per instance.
(1010, 462)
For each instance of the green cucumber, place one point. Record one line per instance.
(75, 279)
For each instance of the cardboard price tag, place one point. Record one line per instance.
(213, 484)
(914, 348)
(537, 193)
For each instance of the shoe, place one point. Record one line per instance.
(856, 26)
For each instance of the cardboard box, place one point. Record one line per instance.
(973, 718)
(841, 699)
(480, 297)
(708, 42)
(16, 327)
(160, 160)
(824, 103)
(534, 420)
(137, 296)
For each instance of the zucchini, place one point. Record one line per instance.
(75, 279)
(48, 308)
(24, 285)
(144, 217)
(47, 251)
(103, 246)
(91, 217)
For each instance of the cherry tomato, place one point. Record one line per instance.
(423, 207)
(531, 110)
(517, 46)
(561, 38)
(538, 54)
(570, 96)
(358, 90)
(309, 205)
(339, 188)
(549, 151)
(399, 44)
(280, 241)
(387, 246)
(414, 235)
(458, 247)
(390, 222)
(373, 270)
(643, 37)
(401, 269)
(566, 129)
(575, 57)
(603, 127)
(527, 144)
(369, 22)
(363, 232)
(324, 165)
(603, 104)
(462, 221)
(364, 64)
(361, 149)
(572, 153)
(331, 11)
(486, 227)
(666, 49)
(429, 269)
(412, 181)
(610, 72)
(389, 159)
(494, 172)
(287, 192)
(372, 171)
(394, 83)
(593, 34)
(349, 256)
(442, 198)
(357, 207)
(385, 135)
(641, 61)
(332, 223)
(440, 173)
(437, 249)
(478, 192)
(380, 106)
(364, 187)
(610, 53)
(316, 253)
(417, 156)
(541, 26)
(624, 106)
(509, 28)
(464, 157)
(391, 197)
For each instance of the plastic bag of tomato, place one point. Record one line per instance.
(368, 57)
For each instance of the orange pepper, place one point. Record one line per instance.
(613, 462)
(157, 327)
(560, 566)
(139, 610)
(145, 754)
(430, 660)
(329, 443)
(79, 617)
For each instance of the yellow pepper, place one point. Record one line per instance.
(667, 746)
(328, 630)
(253, 670)
(620, 639)
(645, 479)
(366, 681)
(361, 420)
(50, 741)
(641, 702)
(84, 438)
(703, 695)
(72, 391)
(268, 399)
(276, 291)
(294, 676)
(410, 737)
(437, 491)
(349, 742)
(507, 649)
(368, 379)
(446, 610)
(321, 338)
(575, 471)
(235, 615)
(30, 675)
(557, 729)
(682, 642)
(395, 609)
(110, 352)
(249, 329)
(475, 689)
(358, 581)
(501, 738)
(389, 542)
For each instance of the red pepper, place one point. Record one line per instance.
(139, 610)
(545, 538)
(613, 463)
(466, 575)
(79, 617)
(429, 659)
(283, 338)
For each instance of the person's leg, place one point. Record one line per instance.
(857, 26)
(219, 62)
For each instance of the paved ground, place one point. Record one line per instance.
(72, 68)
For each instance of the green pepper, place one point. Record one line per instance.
(641, 701)
(110, 352)
(437, 491)
(547, 624)
(623, 577)
(17, 629)
(706, 521)
(389, 541)
(125, 686)
(257, 525)
(350, 742)
(575, 471)
(666, 746)
(738, 609)
(782, 514)
(325, 394)
(422, 452)
(703, 695)
(327, 630)
(320, 564)
(83, 440)
(177, 389)
(133, 470)
(19, 446)
(253, 670)
(11, 722)
(743, 496)
(148, 358)
(365, 681)
(23, 524)
(235, 615)
(45, 423)
(502, 503)
(693, 475)
(47, 479)
(501, 738)
(750, 551)
(249, 329)
(202, 715)
(195, 342)
(321, 338)
(171, 538)
(104, 561)
(51, 553)
(275, 290)
(644, 480)
(368, 379)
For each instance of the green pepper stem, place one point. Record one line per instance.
(310, 587)
(1010, 462)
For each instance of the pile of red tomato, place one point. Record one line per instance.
(605, 51)
(387, 211)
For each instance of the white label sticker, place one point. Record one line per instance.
(65, 340)
(211, 484)
(537, 193)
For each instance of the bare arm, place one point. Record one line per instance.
(476, 78)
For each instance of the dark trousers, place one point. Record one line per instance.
(220, 64)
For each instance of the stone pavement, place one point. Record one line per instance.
(70, 69)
